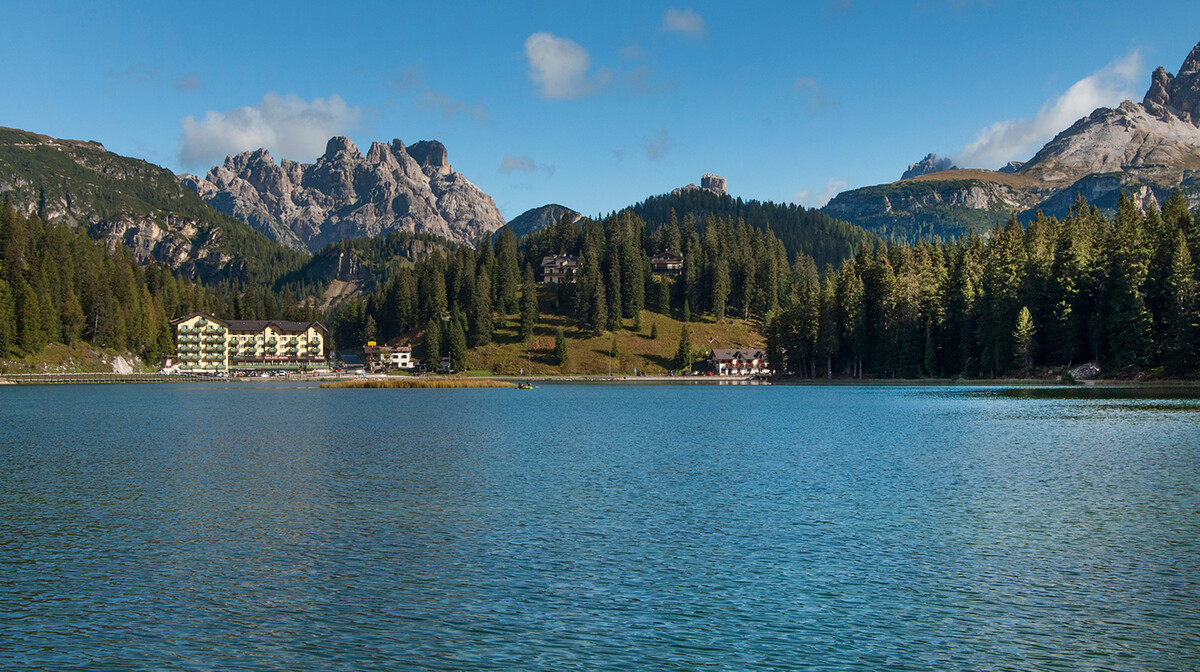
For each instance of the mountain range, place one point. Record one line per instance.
(345, 194)
(1145, 150)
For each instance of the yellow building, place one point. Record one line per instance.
(207, 344)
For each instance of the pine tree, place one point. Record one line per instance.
(683, 354)
(509, 273)
(1183, 323)
(654, 331)
(720, 288)
(599, 311)
(529, 305)
(458, 346)
(664, 295)
(614, 296)
(432, 342)
(560, 347)
(1023, 340)
(8, 324)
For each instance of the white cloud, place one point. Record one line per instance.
(817, 199)
(287, 126)
(413, 77)
(559, 67)
(448, 107)
(1019, 139)
(189, 82)
(657, 145)
(683, 21)
(523, 164)
(814, 93)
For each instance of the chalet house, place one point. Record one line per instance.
(738, 362)
(666, 263)
(559, 268)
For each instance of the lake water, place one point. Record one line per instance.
(278, 527)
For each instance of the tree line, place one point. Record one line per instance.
(58, 285)
(1120, 291)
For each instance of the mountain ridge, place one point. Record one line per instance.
(1148, 149)
(345, 194)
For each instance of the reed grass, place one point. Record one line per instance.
(398, 383)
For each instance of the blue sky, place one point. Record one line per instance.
(591, 105)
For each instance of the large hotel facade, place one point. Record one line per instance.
(207, 344)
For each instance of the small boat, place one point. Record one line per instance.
(524, 386)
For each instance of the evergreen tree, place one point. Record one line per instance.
(30, 337)
(1023, 340)
(481, 310)
(720, 288)
(614, 297)
(458, 346)
(529, 305)
(599, 312)
(683, 354)
(664, 295)
(8, 324)
(654, 331)
(560, 347)
(1183, 324)
(508, 271)
(432, 342)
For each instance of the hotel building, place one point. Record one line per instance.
(207, 344)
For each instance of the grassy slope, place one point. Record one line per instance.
(59, 358)
(587, 354)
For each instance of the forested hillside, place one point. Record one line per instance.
(137, 204)
(802, 231)
(1120, 291)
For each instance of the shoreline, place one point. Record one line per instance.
(433, 380)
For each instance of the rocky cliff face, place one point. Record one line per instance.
(932, 163)
(708, 182)
(347, 195)
(537, 219)
(125, 201)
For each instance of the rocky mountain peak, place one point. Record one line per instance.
(431, 156)
(708, 182)
(346, 195)
(1177, 95)
(932, 163)
(340, 147)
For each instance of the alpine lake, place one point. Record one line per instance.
(278, 526)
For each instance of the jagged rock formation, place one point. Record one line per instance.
(708, 182)
(537, 219)
(347, 195)
(932, 163)
(1145, 150)
(1156, 140)
(126, 201)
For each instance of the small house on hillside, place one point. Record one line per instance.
(666, 263)
(738, 362)
(559, 268)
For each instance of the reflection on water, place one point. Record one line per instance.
(267, 527)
